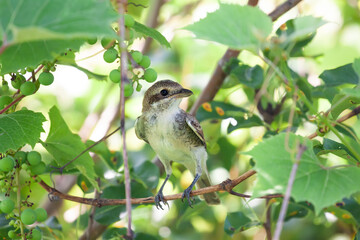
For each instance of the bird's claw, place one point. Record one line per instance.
(159, 197)
(186, 194)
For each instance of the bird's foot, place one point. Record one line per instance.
(159, 197)
(186, 194)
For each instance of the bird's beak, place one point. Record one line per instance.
(183, 93)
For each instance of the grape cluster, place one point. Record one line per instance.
(10, 165)
(138, 64)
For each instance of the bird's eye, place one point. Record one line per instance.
(164, 92)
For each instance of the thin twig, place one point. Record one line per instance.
(124, 80)
(92, 213)
(267, 224)
(285, 203)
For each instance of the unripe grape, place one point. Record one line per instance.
(128, 89)
(105, 43)
(4, 101)
(27, 88)
(7, 164)
(12, 234)
(16, 83)
(129, 20)
(20, 156)
(38, 169)
(36, 234)
(7, 206)
(138, 87)
(115, 76)
(28, 216)
(41, 214)
(92, 41)
(137, 56)
(145, 62)
(150, 75)
(110, 55)
(34, 158)
(46, 78)
(29, 69)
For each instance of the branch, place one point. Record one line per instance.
(225, 186)
(218, 75)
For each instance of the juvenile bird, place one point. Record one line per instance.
(174, 135)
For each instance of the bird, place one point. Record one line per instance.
(174, 135)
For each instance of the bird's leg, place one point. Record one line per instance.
(189, 189)
(159, 197)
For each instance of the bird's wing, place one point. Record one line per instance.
(193, 123)
(140, 129)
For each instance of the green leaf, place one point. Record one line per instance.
(304, 27)
(342, 102)
(324, 91)
(20, 128)
(64, 146)
(250, 76)
(342, 214)
(351, 92)
(31, 54)
(353, 207)
(148, 174)
(55, 19)
(219, 110)
(341, 75)
(150, 32)
(239, 27)
(338, 149)
(314, 183)
(114, 233)
(245, 122)
(294, 210)
(237, 222)
(356, 66)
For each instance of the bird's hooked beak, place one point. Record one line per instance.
(182, 93)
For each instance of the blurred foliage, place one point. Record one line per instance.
(287, 78)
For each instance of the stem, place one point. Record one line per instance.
(18, 198)
(123, 65)
(284, 205)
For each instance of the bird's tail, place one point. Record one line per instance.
(210, 198)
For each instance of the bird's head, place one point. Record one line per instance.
(164, 95)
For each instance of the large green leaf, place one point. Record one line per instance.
(341, 75)
(342, 102)
(320, 185)
(63, 145)
(39, 30)
(31, 54)
(34, 20)
(20, 128)
(338, 149)
(239, 27)
(250, 76)
(219, 110)
(304, 27)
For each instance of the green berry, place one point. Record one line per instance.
(129, 20)
(38, 169)
(24, 166)
(46, 78)
(23, 71)
(34, 158)
(107, 43)
(28, 216)
(7, 164)
(110, 55)
(12, 222)
(29, 69)
(138, 87)
(27, 88)
(115, 76)
(4, 101)
(36, 234)
(12, 234)
(150, 75)
(41, 214)
(7, 206)
(145, 62)
(128, 90)
(16, 83)
(20, 156)
(92, 41)
(137, 56)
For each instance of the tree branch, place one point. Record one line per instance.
(225, 186)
